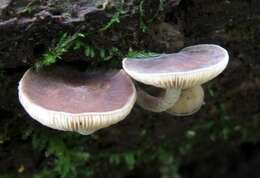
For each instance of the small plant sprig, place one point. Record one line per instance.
(141, 18)
(68, 42)
(74, 42)
(141, 54)
(115, 19)
(65, 43)
(68, 162)
(91, 51)
(29, 7)
(143, 24)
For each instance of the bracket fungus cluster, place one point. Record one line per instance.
(65, 98)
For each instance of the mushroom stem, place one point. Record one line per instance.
(85, 132)
(158, 103)
(190, 102)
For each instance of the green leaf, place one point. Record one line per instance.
(87, 51)
(81, 35)
(78, 45)
(102, 53)
(114, 159)
(92, 53)
(141, 54)
(130, 160)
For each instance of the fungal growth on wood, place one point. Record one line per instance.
(65, 98)
(190, 67)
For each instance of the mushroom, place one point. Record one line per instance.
(190, 67)
(65, 98)
(190, 102)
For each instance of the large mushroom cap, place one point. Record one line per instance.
(64, 98)
(191, 66)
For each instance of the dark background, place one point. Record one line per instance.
(221, 140)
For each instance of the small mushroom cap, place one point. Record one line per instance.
(65, 98)
(189, 102)
(191, 66)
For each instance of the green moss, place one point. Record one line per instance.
(68, 42)
(63, 45)
(77, 41)
(69, 159)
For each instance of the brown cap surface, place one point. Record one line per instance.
(64, 98)
(191, 66)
